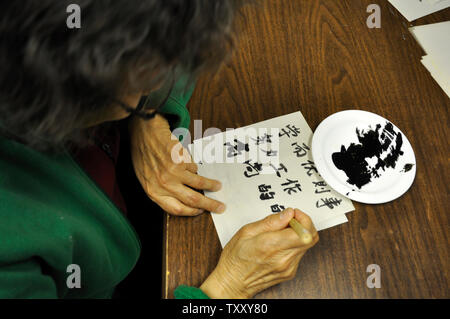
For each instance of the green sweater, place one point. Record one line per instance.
(52, 215)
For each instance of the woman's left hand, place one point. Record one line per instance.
(167, 182)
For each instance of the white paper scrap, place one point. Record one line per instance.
(435, 41)
(437, 73)
(415, 9)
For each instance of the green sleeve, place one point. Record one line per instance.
(186, 292)
(179, 97)
(25, 280)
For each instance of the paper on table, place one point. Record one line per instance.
(435, 40)
(437, 74)
(415, 9)
(434, 1)
(251, 192)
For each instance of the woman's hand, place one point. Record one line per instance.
(164, 180)
(260, 255)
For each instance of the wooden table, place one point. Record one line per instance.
(319, 57)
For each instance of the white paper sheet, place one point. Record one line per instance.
(442, 79)
(245, 188)
(434, 1)
(415, 9)
(435, 40)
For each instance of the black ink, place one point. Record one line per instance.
(264, 188)
(265, 193)
(252, 169)
(300, 151)
(372, 143)
(330, 202)
(322, 186)
(236, 149)
(349, 192)
(282, 167)
(291, 189)
(309, 166)
(265, 196)
(291, 130)
(407, 168)
(261, 139)
(270, 152)
(276, 208)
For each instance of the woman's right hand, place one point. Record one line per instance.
(168, 176)
(260, 255)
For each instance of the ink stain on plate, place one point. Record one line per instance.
(378, 149)
(407, 168)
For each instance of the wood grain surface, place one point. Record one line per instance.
(319, 57)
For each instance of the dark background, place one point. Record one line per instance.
(145, 280)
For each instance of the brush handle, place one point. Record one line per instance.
(301, 231)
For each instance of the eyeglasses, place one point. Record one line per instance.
(145, 104)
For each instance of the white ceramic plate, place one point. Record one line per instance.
(363, 156)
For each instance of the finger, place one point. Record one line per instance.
(275, 277)
(192, 167)
(306, 222)
(272, 222)
(200, 182)
(187, 158)
(195, 199)
(287, 239)
(175, 207)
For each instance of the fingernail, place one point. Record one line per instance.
(285, 213)
(220, 209)
(217, 187)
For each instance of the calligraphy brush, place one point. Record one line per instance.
(301, 231)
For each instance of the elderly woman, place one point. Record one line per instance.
(62, 91)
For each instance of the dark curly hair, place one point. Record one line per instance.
(52, 77)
